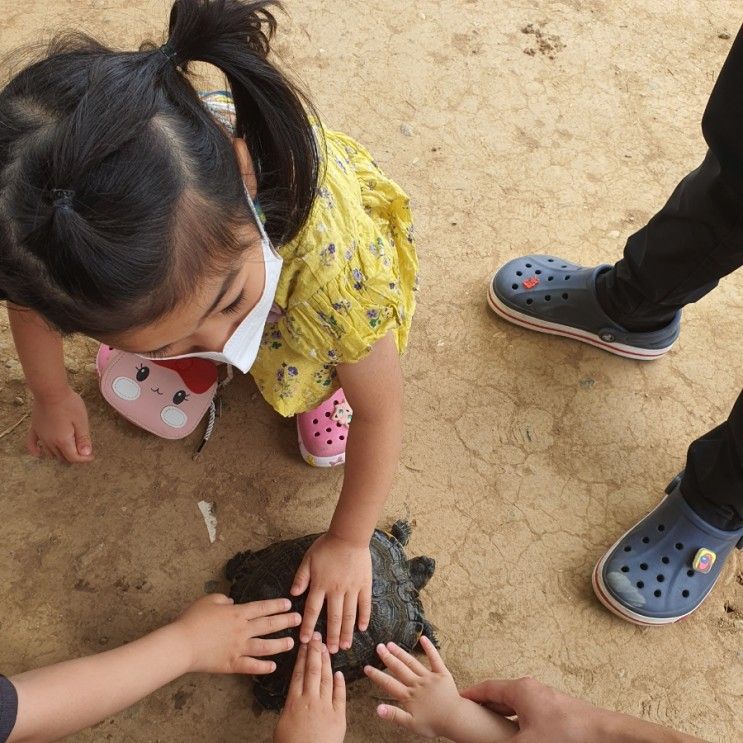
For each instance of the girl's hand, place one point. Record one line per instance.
(431, 704)
(430, 698)
(315, 708)
(339, 572)
(223, 637)
(59, 428)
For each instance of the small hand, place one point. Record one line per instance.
(432, 704)
(429, 697)
(315, 708)
(339, 572)
(224, 637)
(60, 429)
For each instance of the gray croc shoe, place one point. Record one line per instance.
(551, 295)
(663, 568)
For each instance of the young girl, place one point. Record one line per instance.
(130, 213)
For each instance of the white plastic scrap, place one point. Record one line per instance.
(207, 511)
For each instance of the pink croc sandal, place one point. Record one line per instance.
(323, 432)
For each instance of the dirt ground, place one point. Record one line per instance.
(516, 127)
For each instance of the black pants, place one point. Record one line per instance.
(677, 258)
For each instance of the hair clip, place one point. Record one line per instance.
(170, 53)
(62, 197)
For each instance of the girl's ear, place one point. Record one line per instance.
(245, 164)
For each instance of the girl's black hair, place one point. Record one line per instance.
(120, 192)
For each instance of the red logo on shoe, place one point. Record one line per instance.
(531, 282)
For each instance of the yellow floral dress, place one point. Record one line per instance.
(349, 278)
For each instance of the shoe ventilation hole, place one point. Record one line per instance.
(519, 273)
(640, 584)
(567, 278)
(550, 278)
(335, 402)
(628, 549)
(657, 593)
(548, 298)
(690, 573)
(625, 569)
(317, 434)
(528, 265)
(538, 272)
(665, 560)
(529, 301)
(660, 578)
(342, 438)
(563, 266)
(661, 527)
(315, 421)
(645, 540)
(338, 425)
(329, 442)
(643, 566)
(514, 286)
(550, 260)
(679, 546)
(564, 296)
(327, 415)
(685, 593)
(328, 430)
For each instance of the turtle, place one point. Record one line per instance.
(397, 613)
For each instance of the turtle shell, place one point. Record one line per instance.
(397, 614)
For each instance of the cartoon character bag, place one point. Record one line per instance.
(167, 398)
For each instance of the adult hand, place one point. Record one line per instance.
(546, 714)
(315, 708)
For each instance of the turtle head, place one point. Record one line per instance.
(421, 569)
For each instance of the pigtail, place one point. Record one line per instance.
(273, 116)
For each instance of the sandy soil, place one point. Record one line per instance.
(516, 126)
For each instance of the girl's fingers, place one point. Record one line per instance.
(395, 715)
(253, 667)
(335, 620)
(339, 692)
(301, 579)
(409, 660)
(326, 674)
(260, 648)
(313, 667)
(434, 658)
(274, 623)
(396, 667)
(296, 686)
(349, 621)
(389, 685)
(256, 609)
(364, 608)
(312, 609)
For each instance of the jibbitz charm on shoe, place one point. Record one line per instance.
(704, 560)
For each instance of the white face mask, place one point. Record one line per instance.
(242, 346)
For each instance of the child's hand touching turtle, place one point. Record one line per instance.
(315, 708)
(431, 704)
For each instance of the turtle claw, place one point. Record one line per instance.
(401, 530)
